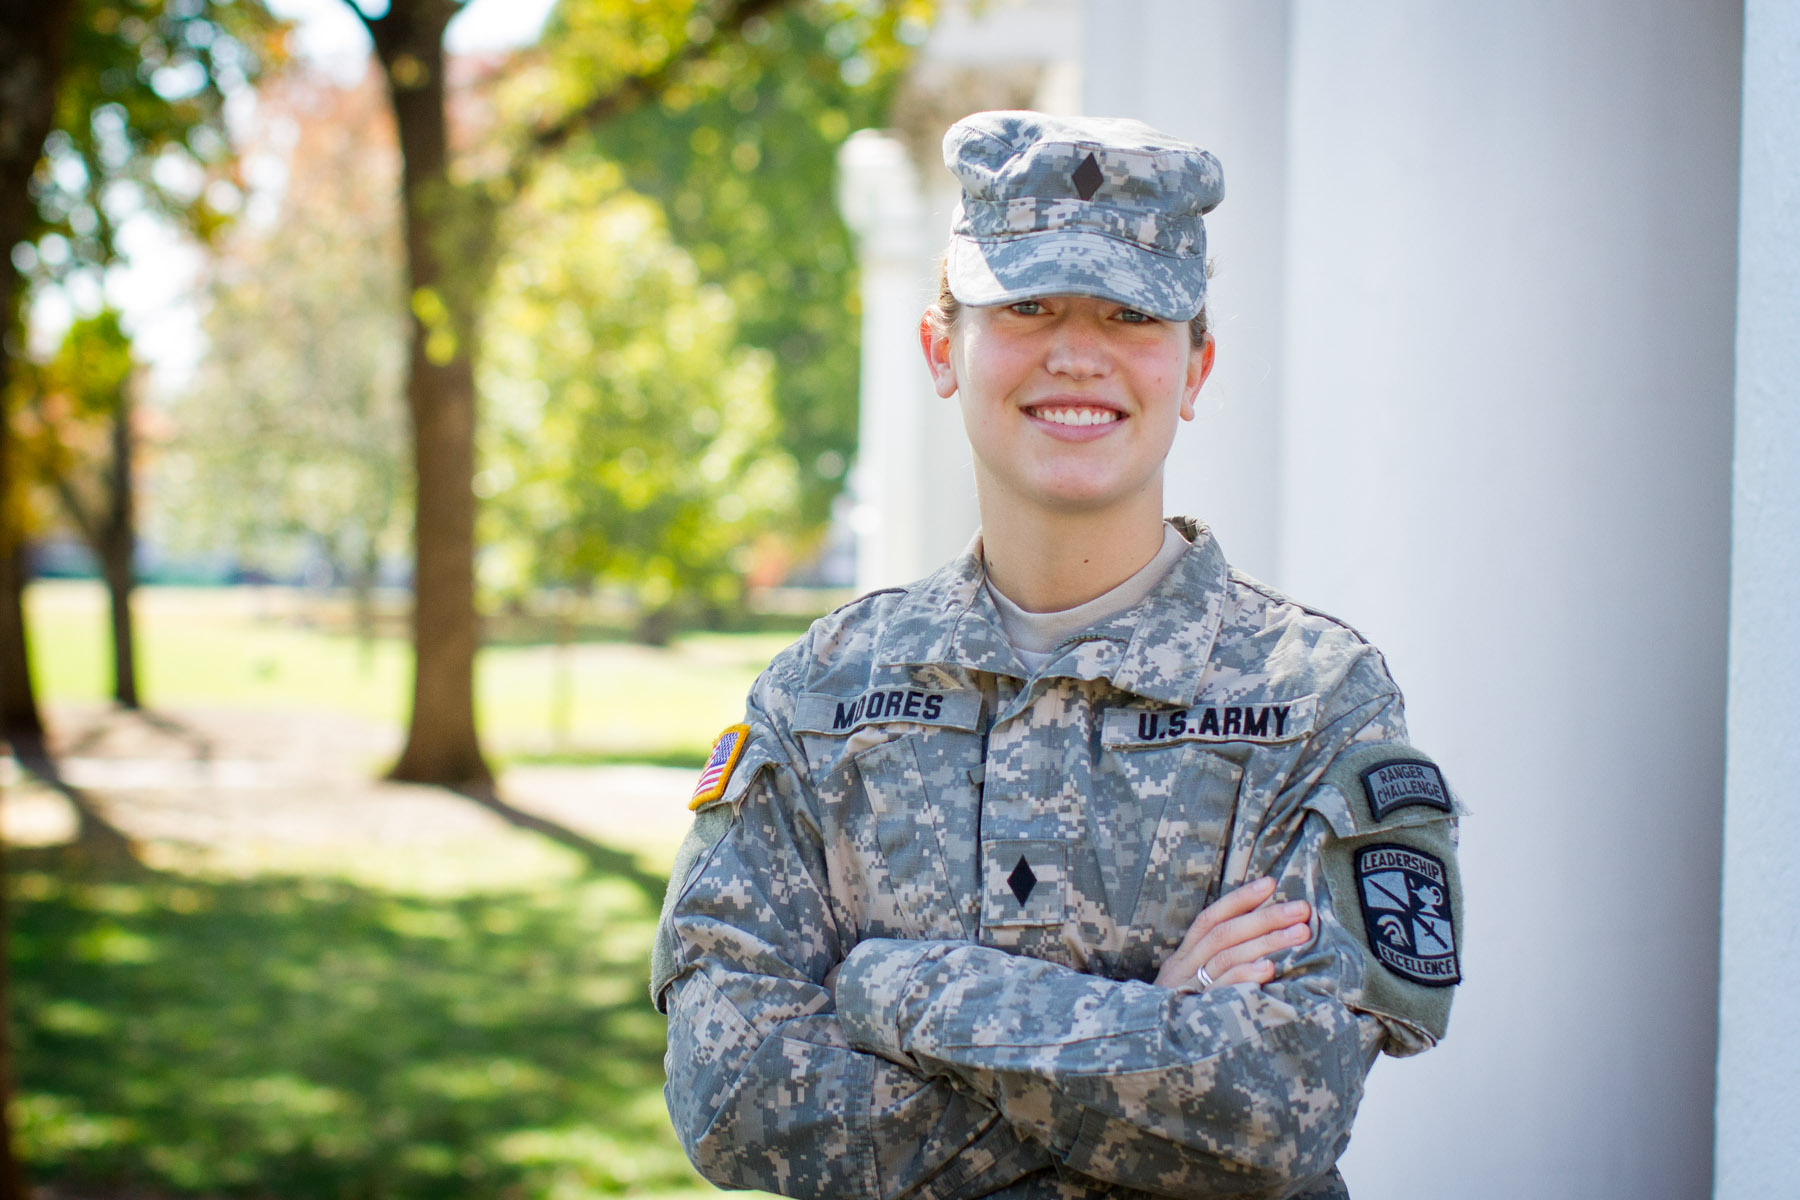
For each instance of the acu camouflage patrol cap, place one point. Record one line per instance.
(1087, 206)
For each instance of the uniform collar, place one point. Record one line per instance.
(1157, 649)
(947, 618)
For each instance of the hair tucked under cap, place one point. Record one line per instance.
(1087, 206)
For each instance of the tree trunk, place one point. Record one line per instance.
(33, 41)
(117, 549)
(441, 742)
(120, 580)
(562, 678)
(362, 602)
(20, 722)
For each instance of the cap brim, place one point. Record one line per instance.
(1075, 263)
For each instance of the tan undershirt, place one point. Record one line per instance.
(1035, 636)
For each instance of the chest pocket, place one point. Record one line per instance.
(919, 816)
(1164, 858)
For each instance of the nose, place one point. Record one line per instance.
(1077, 350)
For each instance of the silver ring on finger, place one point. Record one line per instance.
(1205, 980)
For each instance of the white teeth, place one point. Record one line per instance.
(1077, 416)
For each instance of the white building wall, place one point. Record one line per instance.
(1759, 1052)
(1502, 441)
(1510, 359)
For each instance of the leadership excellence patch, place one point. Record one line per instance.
(1405, 896)
(719, 765)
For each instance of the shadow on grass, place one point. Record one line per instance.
(685, 759)
(600, 857)
(308, 1037)
(98, 842)
(199, 744)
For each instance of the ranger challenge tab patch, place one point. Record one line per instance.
(1402, 782)
(1405, 895)
(720, 764)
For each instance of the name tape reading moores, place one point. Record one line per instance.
(1405, 896)
(818, 712)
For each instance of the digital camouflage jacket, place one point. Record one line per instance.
(908, 948)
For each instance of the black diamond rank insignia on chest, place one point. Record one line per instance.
(1022, 880)
(1405, 896)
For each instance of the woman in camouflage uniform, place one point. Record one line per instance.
(978, 898)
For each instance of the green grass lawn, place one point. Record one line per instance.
(357, 1030)
(309, 1037)
(236, 647)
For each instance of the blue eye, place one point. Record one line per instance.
(1028, 308)
(1132, 316)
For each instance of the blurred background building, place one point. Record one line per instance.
(1494, 283)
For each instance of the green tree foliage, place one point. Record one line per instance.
(740, 150)
(291, 440)
(77, 428)
(630, 436)
(139, 129)
(140, 124)
(73, 402)
(113, 108)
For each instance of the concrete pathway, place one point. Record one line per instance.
(243, 780)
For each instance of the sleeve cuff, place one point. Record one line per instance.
(873, 985)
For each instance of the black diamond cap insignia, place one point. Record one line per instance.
(1087, 180)
(1022, 879)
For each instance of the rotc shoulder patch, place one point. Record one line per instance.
(1402, 782)
(719, 765)
(1405, 896)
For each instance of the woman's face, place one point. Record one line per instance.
(1070, 402)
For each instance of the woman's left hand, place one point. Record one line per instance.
(1232, 936)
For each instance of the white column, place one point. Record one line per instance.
(1758, 1146)
(1215, 72)
(1507, 436)
(878, 194)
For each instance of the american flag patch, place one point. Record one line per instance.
(719, 764)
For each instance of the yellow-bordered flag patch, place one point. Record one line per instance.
(719, 765)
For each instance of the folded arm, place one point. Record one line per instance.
(1237, 1090)
(764, 1088)
(800, 1064)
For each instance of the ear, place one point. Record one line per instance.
(1200, 365)
(938, 359)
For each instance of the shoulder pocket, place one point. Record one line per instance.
(710, 828)
(1392, 874)
(1381, 785)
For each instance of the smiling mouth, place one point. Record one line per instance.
(1076, 416)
